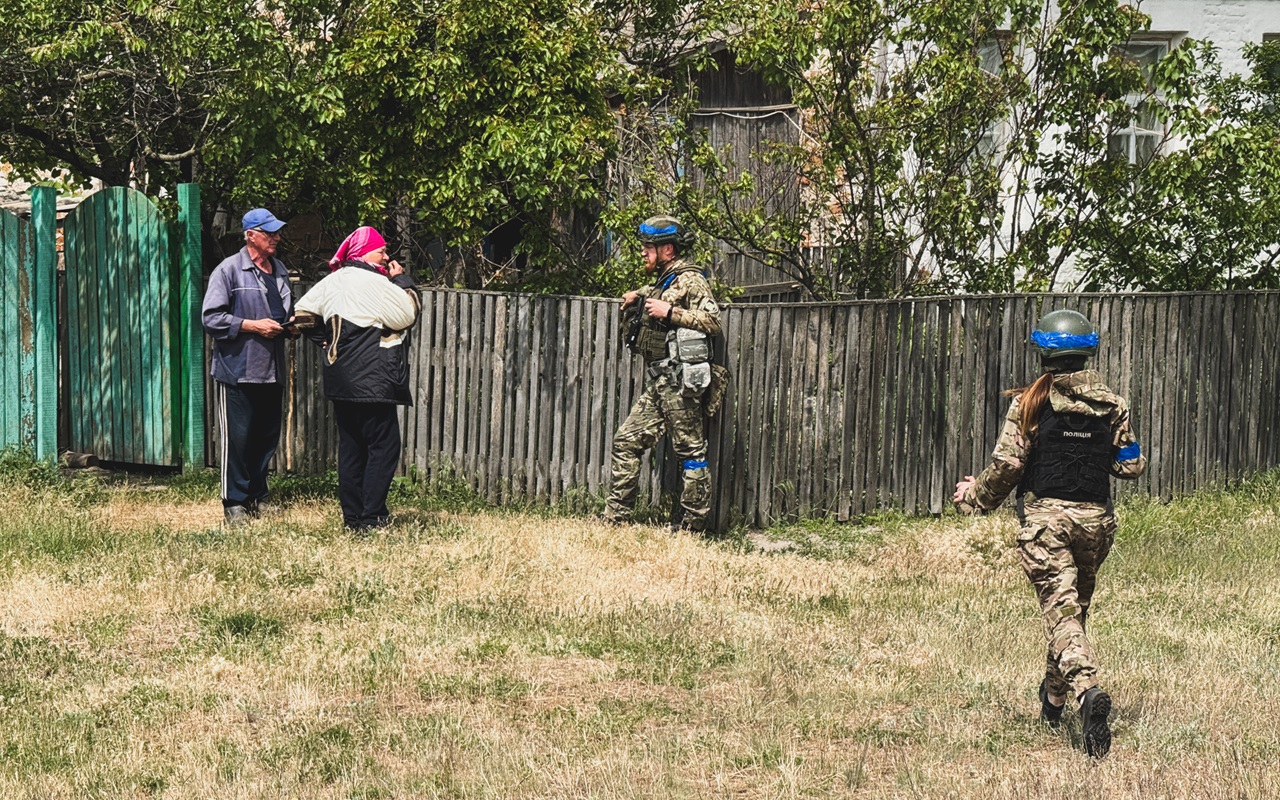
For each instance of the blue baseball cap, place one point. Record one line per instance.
(262, 218)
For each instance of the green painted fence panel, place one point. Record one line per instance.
(28, 331)
(125, 356)
(44, 282)
(191, 331)
(15, 238)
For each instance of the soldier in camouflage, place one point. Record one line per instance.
(677, 317)
(1063, 438)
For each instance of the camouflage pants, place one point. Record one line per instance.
(661, 407)
(1062, 544)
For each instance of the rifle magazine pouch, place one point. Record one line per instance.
(650, 342)
(694, 379)
(687, 346)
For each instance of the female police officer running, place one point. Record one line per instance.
(1063, 438)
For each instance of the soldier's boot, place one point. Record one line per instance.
(1050, 714)
(1094, 710)
(677, 515)
(688, 524)
(615, 516)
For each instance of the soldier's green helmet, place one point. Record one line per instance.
(663, 229)
(1062, 334)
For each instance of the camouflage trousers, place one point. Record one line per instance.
(1062, 544)
(661, 407)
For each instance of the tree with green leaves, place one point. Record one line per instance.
(468, 114)
(967, 145)
(1205, 215)
(939, 147)
(150, 94)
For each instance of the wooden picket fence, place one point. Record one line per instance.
(834, 409)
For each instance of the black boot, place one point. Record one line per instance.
(1050, 714)
(1094, 710)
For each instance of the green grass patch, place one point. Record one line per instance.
(492, 655)
(245, 626)
(473, 686)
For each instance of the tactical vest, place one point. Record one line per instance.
(651, 342)
(1071, 459)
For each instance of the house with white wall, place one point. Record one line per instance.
(1229, 24)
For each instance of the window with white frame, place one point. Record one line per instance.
(1139, 140)
(990, 61)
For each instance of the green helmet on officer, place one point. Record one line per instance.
(1065, 340)
(664, 230)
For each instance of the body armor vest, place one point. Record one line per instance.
(651, 343)
(1071, 459)
(651, 340)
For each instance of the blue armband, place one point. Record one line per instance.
(1129, 453)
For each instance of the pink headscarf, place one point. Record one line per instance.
(361, 241)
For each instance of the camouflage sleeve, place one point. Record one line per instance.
(1130, 461)
(1007, 462)
(694, 306)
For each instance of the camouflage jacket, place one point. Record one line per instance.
(1080, 392)
(693, 306)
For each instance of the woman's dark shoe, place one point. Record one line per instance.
(1094, 710)
(261, 508)
(1050, 714)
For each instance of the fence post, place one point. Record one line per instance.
(190, 330)
(44, 290)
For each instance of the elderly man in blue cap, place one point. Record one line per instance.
(246, 308)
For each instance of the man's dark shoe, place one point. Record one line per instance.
(1094, 710)
(1050, 714)
(233, 516)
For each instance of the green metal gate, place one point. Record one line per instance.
(28, 329)
(132, 314)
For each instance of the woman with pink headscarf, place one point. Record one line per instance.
(365, 245)
(366, 304)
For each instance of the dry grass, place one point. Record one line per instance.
(146, 652)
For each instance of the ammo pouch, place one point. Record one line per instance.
(693, 379)
(687, 346)
(690, 351)
(650, 341)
